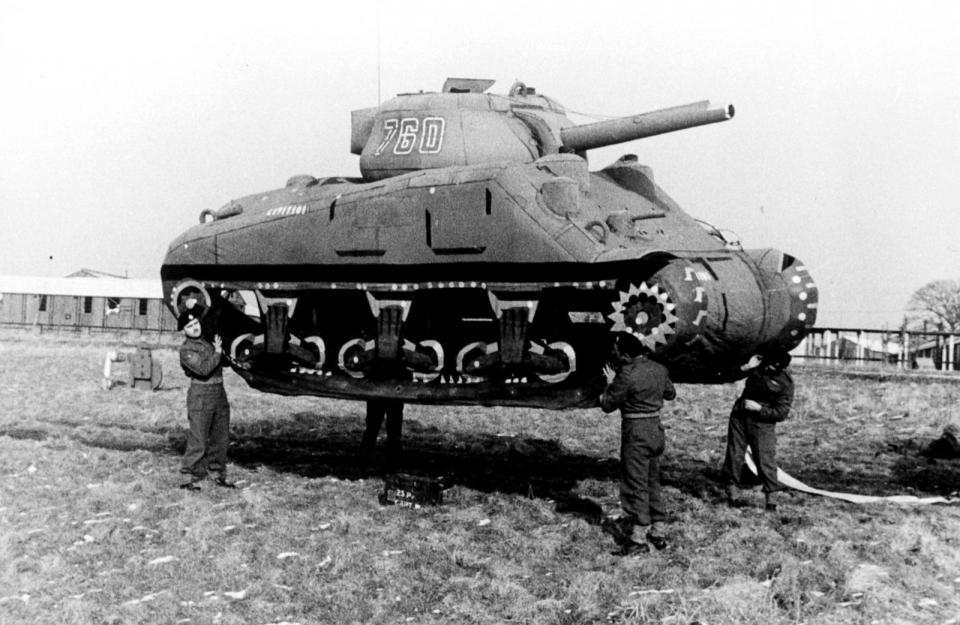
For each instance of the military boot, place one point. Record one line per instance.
(632, 540)
(733, 495)
(770, 502)
(222, 481)
(655, 536)
(631, 549)
(618, 527)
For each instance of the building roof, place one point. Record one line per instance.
(92, 287)
(92, 273)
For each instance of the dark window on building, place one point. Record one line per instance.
(142, 309)
(43, 303)
(87, 305)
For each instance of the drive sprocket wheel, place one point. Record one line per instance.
(647, 313)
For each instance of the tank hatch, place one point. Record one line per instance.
(467, 85)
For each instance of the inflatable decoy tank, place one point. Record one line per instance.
(478, 260)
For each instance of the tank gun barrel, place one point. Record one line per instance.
(609, 132)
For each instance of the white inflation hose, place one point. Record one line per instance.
(791, 482)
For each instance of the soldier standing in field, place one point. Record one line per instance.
(638, 389)
(377, 409)
(389, 322)
(207, 408)
(765, 401)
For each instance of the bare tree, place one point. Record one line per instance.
(936, 303)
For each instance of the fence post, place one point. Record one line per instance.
(904, 349)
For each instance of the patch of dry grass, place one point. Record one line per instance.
(92, 529)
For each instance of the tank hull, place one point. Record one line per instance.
(492, 285)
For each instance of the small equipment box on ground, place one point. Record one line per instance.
(411, 491)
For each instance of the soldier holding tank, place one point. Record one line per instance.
(638, 389)
(207, 408)
(765, 401)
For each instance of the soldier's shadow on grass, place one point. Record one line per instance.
(317, 445)
(321, 446)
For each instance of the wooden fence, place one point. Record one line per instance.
(902, 349)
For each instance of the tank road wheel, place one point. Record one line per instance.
(645, 312)
(472, 358)
(320, 348)
(436, 351)
(350, 356)
(186, 292)
(245, 346)
(568, 351)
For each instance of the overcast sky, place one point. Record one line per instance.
(122, 121)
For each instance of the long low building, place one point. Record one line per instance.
(104, 303)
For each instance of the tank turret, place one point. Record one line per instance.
(464, 125)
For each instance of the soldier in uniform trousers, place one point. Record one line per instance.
(377, 409)
(207, 408)
(765, 401)
(638, 389)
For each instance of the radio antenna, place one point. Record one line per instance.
(378, 53)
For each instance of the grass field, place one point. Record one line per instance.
(94, 530)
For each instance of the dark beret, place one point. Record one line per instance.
(189, 315)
